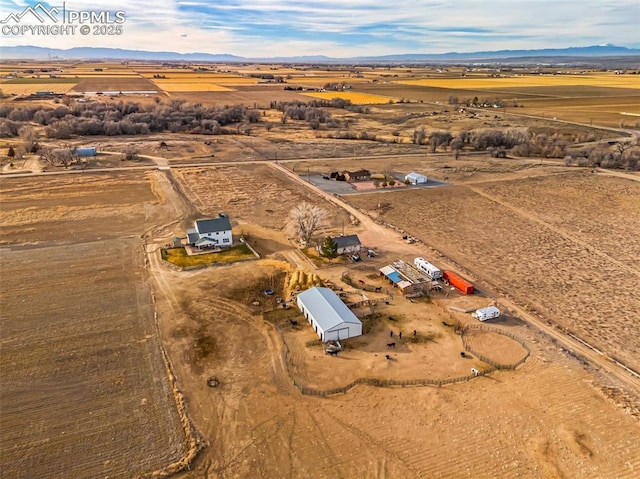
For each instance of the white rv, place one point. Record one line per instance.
(489, 312)
(427, 268)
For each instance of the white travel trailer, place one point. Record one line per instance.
(489, 312)
(427, 268)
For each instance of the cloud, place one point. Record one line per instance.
(353, 27)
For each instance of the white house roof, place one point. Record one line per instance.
(221, 223)
(327, 308)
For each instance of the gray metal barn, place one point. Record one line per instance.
(329, 317)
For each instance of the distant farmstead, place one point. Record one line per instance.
(329, 317)
(360, 175)
(210, 233)
(416, 178)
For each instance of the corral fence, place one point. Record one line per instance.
(388, 383)
(483, 327)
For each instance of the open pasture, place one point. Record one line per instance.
(579, 270)
(255, 193)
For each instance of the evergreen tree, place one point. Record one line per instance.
(329, 248)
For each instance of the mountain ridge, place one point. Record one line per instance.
(27, 52)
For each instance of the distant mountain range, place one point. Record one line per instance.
(548, 54)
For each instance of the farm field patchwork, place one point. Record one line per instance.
(577, 272)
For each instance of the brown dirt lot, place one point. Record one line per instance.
(85, 392)
(578, 268)
(74, 208)
(544, 420)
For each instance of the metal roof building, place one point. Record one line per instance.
(329, 317)
(416, 178)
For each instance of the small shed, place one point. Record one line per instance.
(489, 312)
(329, 317)
(416, 178)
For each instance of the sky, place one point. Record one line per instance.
(337, 28)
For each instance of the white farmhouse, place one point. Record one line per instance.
(329, 317)
(214, 232)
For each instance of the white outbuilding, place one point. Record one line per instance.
(329, 317)
(416, 178)
(489, 312)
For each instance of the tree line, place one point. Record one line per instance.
(124, 118)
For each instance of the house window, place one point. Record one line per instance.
(217, 233)
(226, 240)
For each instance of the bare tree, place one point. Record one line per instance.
(304, 220)
(29, 138)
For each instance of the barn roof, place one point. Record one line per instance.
(221, 223)
(346, 241)
(327, 308)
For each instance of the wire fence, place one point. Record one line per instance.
(388, 383)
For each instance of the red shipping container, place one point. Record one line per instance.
(457, 282)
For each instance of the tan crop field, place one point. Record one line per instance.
(355, 97)
(561, 245)
(604, 80)
(191, 85)
(30, 88)
(85, 391)
(114, 84)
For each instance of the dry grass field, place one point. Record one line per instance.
(85, 391)
(255, 193)
(561, 245)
